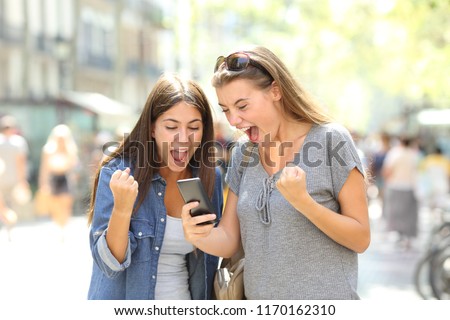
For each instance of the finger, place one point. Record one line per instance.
(280, 183)
(116, 174)
(195, 233)
(300, 173)
(189, 206)
(290, 171)
(197, 220)
(201, 230)
(186, 211)
(124, 175)
(284, 173)
(135, 186)
(130, 180)
(291, 165)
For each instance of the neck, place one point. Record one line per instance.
(292, 132)
(170, 175)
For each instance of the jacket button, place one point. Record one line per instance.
(159, 194)
(140, 234)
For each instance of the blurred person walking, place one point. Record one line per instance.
(59, 160)
(14, 187)
(400, 207)
(377, 161)
(435, 177)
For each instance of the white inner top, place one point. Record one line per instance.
(172, 281)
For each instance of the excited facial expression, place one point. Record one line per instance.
(178, 133)
(250, 109)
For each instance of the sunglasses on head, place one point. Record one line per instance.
(238, 61)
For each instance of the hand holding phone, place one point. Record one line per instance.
(192, 190)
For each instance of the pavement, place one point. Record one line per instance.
(38, 264)
(386, 268)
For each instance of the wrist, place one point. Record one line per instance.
(120, 213)
(305, 203)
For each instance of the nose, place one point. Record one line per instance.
(182, 136)
(233, 118)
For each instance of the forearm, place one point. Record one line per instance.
(218, 243)
(343, 229)
(117, 234)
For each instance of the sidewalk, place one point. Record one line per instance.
(59, 271)
(386, 270)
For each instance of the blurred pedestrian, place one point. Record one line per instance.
(376, 164)
(435, 173)
(136, 233)
(14, 187)
(299, 207)
(400, 208)
(57, 172)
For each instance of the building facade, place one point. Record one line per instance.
(115, 48)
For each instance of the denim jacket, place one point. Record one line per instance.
(136, 277)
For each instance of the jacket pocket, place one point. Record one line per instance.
(141, 238)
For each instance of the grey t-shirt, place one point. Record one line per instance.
(288, 257)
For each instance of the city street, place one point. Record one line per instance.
(36, 264)
(386, 270)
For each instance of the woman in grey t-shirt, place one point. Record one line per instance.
(297, 201)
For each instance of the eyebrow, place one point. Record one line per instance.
(237, 101)
(174, 120)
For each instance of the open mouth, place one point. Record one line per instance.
(180, 156)
(252, 132)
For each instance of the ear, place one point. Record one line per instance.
(275, 91)
(153, 132)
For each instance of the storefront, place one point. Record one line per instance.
(87, 114)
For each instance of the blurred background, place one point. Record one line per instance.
(380, 67)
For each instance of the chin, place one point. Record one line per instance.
(177, 168)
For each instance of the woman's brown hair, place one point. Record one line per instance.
(140, 148)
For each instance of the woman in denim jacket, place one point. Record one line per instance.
(136, 236)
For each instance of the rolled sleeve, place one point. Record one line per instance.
(107, 257)
(104, 203)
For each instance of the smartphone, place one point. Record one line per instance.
(192, 190)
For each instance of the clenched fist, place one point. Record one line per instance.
(292, 185)
(124, 189)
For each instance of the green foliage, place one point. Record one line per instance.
(376, 52)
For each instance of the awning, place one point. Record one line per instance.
(434, 117)
(97, 103)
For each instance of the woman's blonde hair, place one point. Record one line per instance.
(265, 69)
(61, 132)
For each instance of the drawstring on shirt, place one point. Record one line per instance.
(263, 203)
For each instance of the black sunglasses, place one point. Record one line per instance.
(238, 61)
